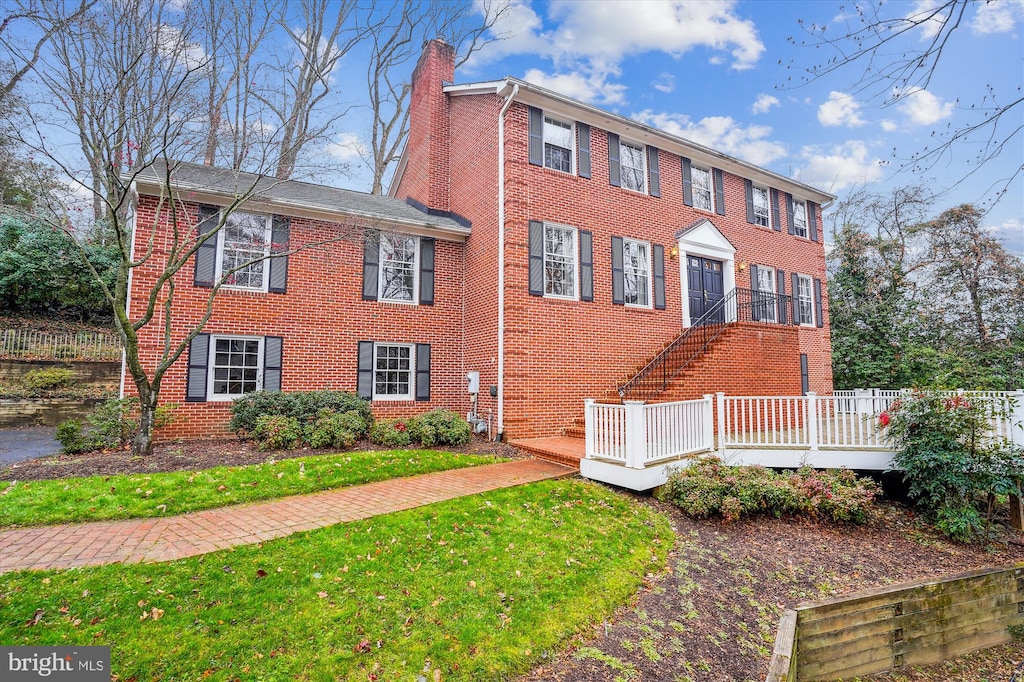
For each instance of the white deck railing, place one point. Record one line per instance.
(638, 435)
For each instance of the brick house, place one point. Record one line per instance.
(616, 238)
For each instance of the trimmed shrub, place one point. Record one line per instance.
(277, 432)
(391, 432)
(443, 427)
(305, 406)
(112, 424)
(48, 379)
(331, 429)
(72, 438)
(709, 488)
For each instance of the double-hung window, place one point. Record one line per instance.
(703, 194)
(235, 366)
(242, 251)
(636, 272)
(800, 218)
(765, 295)
(762, 214)
(558, 144)
(633, 166)
(393, 371)
(398, 268)
(559, 261)
(805, 300)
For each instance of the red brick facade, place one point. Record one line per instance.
(557, 352)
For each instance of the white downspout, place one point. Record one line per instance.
(501, 261)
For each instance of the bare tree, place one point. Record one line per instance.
(24, 58)
(395, 35)
(893, 65)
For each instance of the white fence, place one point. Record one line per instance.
(36, 345)
(639, 435)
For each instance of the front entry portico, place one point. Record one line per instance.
(708, 268)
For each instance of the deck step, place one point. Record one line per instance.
(558, 449)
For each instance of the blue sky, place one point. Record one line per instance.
(715, 72)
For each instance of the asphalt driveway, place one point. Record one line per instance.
(18, 445)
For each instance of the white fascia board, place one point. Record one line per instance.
(202, 195)
(396, 179)
(482, 88)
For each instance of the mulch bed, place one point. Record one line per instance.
(713, 615)
(194, 455)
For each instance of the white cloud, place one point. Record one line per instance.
(347, 147)
(841, 109)
(924, 13)
(888, 126)
(1011, 233)
(922, 107)
(997, 17)
(763, 103)
(591, 87)
(666, 83)
(723, 133)
(838, 167)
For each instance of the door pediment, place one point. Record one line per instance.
(704, 238)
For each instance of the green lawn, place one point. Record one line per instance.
(97, 498)
(480, 588)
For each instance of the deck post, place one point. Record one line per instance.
(636, 434)
(1017, 512)
(589, 425)
(812, 420)
(721, 424)
(708, 439)
(863, 402)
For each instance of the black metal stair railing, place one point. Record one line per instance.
(739, 305)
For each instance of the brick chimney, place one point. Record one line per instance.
(426, 173)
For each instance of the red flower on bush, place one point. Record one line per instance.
(400, 426)
(883, 419)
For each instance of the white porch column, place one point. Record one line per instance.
(812, 420)
(708, 438)
(721, 424)
(589, 425)
(636, 434)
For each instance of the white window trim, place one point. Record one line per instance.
(572, 143)
(807, 222)
(211, 366)
(411, 395)
(711, 188)
(268, 235)
(767, 203)
(643, 165)
(810, 299)
(415, 269)
(575, 264)
(771, 312)
(650, 274)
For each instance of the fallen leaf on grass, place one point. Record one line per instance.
(36, 617)
(322, 595)
(363, 647)
(260, 573)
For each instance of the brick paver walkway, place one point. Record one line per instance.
(176, 537)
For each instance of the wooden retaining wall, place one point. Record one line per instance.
(891, 627)
(44, 412)
(86, 372)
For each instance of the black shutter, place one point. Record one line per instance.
(780, 283)
(789, 212)
(273, 347)
(583, 165)
(748, 188)
(719, 192)
(364, 380)
(805, 384)
(812, 220)
(427, 270)
(422, 371)
(206, 255)
(796, 301)
(536, 136)
(536, 258)
(659, 276)
(653, 170)
(687, 183)
(198, 360)
(586, 266)
(755, 300)
(618, 277)
(280, 234)
(614, 172)
(371, 264)
(776, 219)
(818, 319)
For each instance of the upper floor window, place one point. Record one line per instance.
(805, 300)
(703, 194)
(633, 168)
(762, 214)
(800, 218)
(558, 144)
(243, 250)
(398, 267)
(636, 272)
(559, 261)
